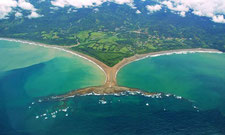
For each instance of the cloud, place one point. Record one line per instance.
(7, 6)
(18, 14)
(183, 14)
(214, 9)
(26, 5)
(122, 1)
(87, 3)
(219, 19)
(138, 12)
(77, 3)
(34, 15)
(154, 8)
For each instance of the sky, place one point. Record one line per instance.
(7, 6)
(213, 9)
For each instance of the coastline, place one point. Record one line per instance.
(101, 90)
(138, 57)
(110, 86)
(61, 48)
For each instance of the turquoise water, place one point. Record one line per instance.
(29, 73)
(198, 77)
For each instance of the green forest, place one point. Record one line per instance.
(113, 32)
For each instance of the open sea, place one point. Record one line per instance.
(192, 99)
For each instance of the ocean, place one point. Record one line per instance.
(192, 95)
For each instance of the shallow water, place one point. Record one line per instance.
(42, 71)
(30, 74)
(199, 77)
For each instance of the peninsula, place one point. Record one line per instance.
(111, 86)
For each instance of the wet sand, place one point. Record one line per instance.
(101, 90)
(111, 72)
(110, 85)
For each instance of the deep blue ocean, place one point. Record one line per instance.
(24, 112)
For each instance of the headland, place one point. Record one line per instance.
(111, 86)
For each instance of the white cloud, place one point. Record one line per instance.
(87, 3)
(219, 19)
(214, 9)
(154, 8)
(209, 8)
(138, 12)
(179, 8)
(26, 5)
(7, 6)
(18, 14)
(34, 15)
(122, 1)
(183, 14)
(175, 7)
(77, 3)
(96, 10)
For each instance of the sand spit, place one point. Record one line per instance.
(110, 86)
(102, 90)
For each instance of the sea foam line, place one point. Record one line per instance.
(56, 48)
(178, 52)
(124, 93)
(170, 53)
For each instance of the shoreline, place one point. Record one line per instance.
(60, 48)
(110, 85)
(101, 90)
(138, 57)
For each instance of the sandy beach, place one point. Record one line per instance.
(137, 57)
(100, 64)
(110, 85)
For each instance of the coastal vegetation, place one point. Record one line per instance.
(109, 67)
(106, 34)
